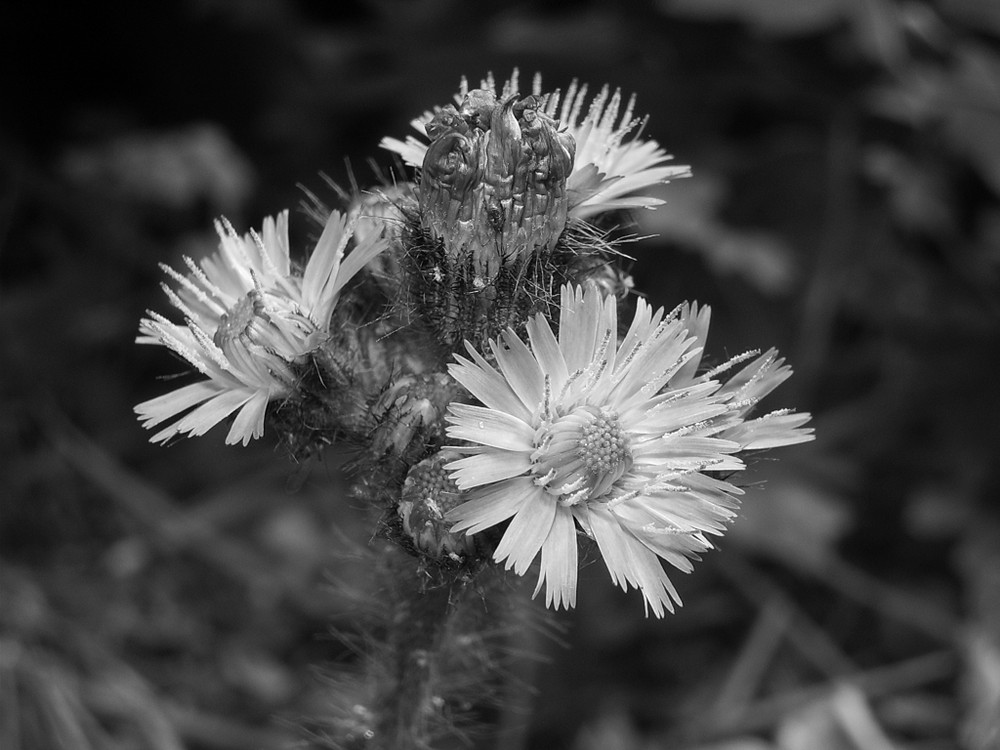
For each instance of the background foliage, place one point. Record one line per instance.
(845, 206)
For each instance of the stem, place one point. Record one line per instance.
(409, 708)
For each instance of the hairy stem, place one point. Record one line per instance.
(409, 705)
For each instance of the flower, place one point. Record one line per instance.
(624, 441)
(611, 168)
(248, 317)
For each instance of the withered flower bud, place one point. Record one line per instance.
(493, 185)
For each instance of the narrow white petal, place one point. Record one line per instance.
(163, 407)
(696, 320)
(487, 385)
(357, 259)
(321, 269)
(210, 413)
(546, 348)
(771, 431)
(630, 562)
(489, 466)
(490, 506)
(249, 423)
(558, 569)
(527, 532)
(521, 369)
(583, 321)
(486, 426)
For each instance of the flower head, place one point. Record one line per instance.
(622, 440)
(611, 167)
(428, 493)
(248, 317)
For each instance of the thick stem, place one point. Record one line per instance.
(409, 705)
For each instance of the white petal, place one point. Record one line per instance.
(163, 407)
(521, 369)
(487, 385)
(527, 532)
(770, 431)
(213, 411)
(630, 562)
(321, 269)
(490, 506)
(558, 570)
(546, 348)
(696, 321)
(249, 423)
(583, 321)
(479, 424)
(489, 466)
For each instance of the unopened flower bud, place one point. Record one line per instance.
(493, 185)
(428, 493)
(409, 409)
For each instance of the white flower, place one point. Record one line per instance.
(621, 440)
(248, 317)
(612, 166)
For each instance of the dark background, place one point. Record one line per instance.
(844, 207)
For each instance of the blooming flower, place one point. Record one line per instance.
(248, 317)
(611, 167)
(623, 441)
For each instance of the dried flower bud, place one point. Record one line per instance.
(493, 185)
(428, 493)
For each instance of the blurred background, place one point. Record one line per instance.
(845, 206)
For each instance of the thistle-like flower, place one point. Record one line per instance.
(248, 318)
(428, 494)
(623, 441)
(611, 166)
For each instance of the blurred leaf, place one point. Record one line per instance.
(690, 218)
(794, 520)
(174, 168)
(917, 194)
(936, 511)
(612, 729)
(877, 25)
(978, 15)
(741, 743)
(963, 99)
(980, 728)
(842, 721)
(791, 17)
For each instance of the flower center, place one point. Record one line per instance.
(238, 321)
(603, 445)
(580, 456)
(428, 493)
(429, 485)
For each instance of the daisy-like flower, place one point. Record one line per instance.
(612, 166)
(248, 317)
(622, 440)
